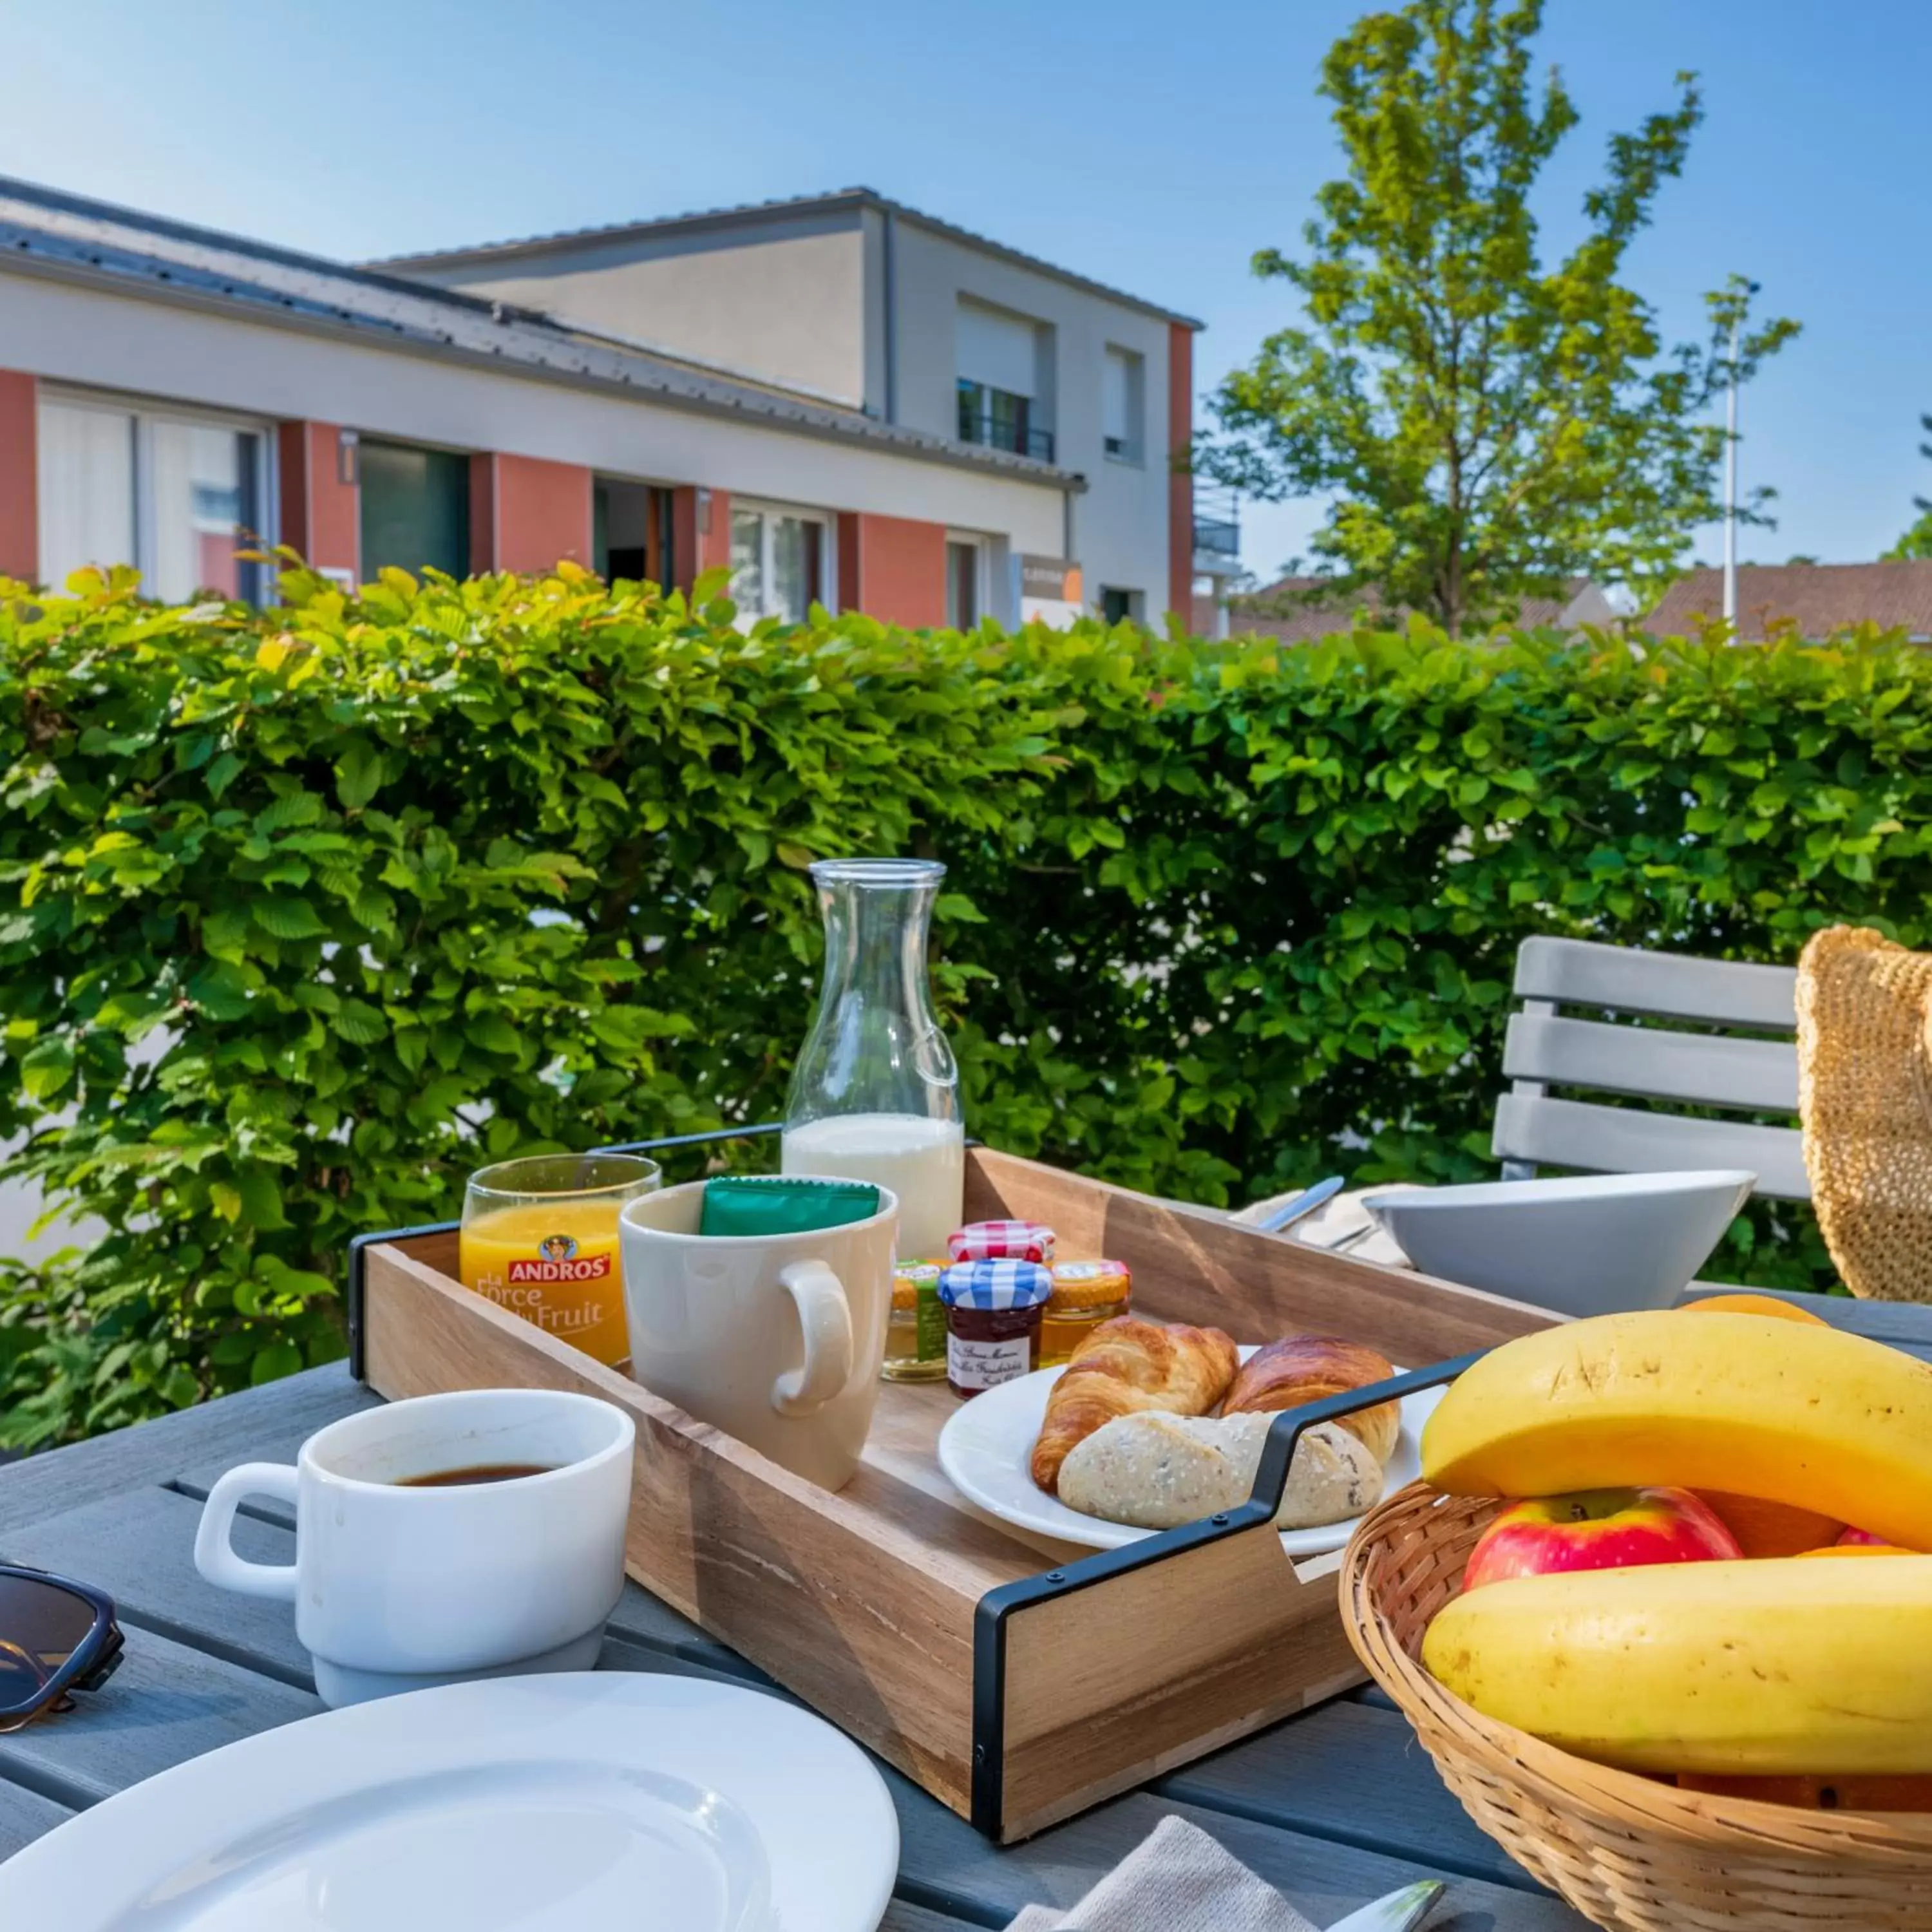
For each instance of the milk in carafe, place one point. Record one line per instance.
(922, 1160)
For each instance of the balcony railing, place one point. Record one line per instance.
(999, 420)
(1217, 533)
(1215, 538)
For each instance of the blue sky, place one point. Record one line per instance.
(1152, 146)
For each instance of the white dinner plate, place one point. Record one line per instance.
(986, 1449)
(578, 1802)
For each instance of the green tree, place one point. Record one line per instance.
(1917, 541)
(1486, 426)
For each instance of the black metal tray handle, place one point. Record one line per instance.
(996, 1607)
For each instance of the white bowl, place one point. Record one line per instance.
(1594, 1244)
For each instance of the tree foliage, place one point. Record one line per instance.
(1486, 425)
(1917, 541)
(306, 911)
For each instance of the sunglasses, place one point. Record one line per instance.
(55, 1637)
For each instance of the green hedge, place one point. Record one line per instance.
(303, 911)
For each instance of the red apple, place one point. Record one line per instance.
(1851, 1537)
(1598, 1529)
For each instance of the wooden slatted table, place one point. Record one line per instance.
(1335, 1806)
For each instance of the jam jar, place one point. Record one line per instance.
(916, 1335)
(1002, 1241)
(1085, 1294)
(993, 1311)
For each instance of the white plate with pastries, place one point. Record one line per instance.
(986, 1450)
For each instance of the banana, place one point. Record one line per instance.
(1748, 1404)
(1763, 1667)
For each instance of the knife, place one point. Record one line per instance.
(1397, 1912)
(1299, 1205)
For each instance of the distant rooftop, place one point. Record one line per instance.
(1818, 597)
(46, 232)
(750, 213)
(1295, 610)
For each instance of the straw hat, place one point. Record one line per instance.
(1864, 1096)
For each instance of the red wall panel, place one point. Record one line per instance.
(20, 487)
(892, 568)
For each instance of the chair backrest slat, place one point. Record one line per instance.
(1624, 1140)
(1722, 992)
(1546, 1048)
(1702, 1069)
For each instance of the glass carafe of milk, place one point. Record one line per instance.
(875, 1094)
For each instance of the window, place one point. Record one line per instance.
(176, 496)
(1118, 606)
(415, 508)
(1001, 420)
(1124, 411)
(962, 584)
(777, 563)
(1004, 369)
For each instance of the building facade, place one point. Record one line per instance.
(836, 400)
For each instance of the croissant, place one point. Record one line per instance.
(1305, 1368)
(1127, 1365)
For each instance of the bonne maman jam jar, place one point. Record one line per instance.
(993, 1314)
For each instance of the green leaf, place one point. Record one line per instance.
(227, 1199)
(47, 1067)
(360, 1024)
(271, 1364)
(493, 1034)
(359, 775)
(285, 918)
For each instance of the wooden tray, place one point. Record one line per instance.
(1017, 1680)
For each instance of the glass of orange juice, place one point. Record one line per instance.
(540, 1239)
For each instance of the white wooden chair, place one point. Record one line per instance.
(1565, 1037)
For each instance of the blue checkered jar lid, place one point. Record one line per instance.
(995, 1285)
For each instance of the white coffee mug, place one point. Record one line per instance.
(774, 1339)
(398, 1587)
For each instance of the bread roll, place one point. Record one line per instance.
(1306, 1368)
(1128, 1364)
(1154, 1471)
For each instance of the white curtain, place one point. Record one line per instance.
(86, 489)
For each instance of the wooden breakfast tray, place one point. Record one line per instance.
(1017, 1680)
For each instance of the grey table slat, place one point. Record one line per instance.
(901, 1917)
(946, 1865)
(24, 1816)
(166, 1703)
(260, 1425)
(1353, 1774)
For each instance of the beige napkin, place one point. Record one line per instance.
(1178, 1880)
(1331, 1221)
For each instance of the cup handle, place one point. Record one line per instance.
(825, 1317)
(215, 1554)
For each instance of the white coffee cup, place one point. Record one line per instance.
(397, 1588)
(774, 1339)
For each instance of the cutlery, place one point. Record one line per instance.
(1299, 1205)
(1353, 1238)
(1397, 1912)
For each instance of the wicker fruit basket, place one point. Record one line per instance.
(1630, 1852)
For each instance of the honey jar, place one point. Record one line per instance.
(916, 1335)
(1085, 1294)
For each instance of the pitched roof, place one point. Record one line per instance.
(750, 214)
(46, 232)
(1292, 610)
(1818, 597)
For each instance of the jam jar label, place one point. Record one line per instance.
(985, 1365)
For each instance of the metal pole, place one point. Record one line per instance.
(1731, 488)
